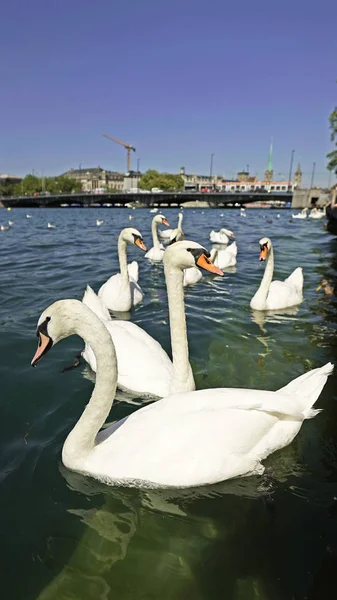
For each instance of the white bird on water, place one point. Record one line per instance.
(50, 226)
(186, 439)
(99, 223)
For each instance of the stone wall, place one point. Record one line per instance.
(309, 198)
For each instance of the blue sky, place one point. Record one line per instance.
(178, 80)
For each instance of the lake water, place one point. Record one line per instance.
(65, 537)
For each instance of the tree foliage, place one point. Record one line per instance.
(332, 156)
(31, 185)
(164, 181)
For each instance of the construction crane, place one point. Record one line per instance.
(127, 146)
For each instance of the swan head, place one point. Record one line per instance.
(133, 236)
(57, 322)
(265, 246)
(176, 236)
(186, 254)
(227, 232)
(161, 220)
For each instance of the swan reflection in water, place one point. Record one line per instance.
(153, 540)
(260, 317)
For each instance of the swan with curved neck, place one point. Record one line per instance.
(221, 237)
(167, 233)
(156, 253)
(121, 291)
(183, 440)
(275, 295)
(144, 367)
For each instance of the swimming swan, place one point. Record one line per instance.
(166, 233)
(144, 369)
(121, 291)
(225, 258)
(188, 439)
(221, 237)
(275, 295)
(156, 253)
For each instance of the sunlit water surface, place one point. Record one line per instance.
(66, 537)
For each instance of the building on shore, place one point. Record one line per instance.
(5, 178)
(244, 181)
(96, 178)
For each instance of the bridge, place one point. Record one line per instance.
(124, 199)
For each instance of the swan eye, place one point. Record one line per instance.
(43, 327)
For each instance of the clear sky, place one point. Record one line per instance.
(177, 79)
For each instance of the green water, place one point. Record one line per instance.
(66, 537)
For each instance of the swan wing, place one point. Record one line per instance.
(136, 292)
(296, 278)
(201, 437)
(96, 304)
(133, 270)
(283, 294)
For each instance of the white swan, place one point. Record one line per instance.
(275, 295)
(225, 258)
(156, 253)
(50, 226)
(193, 274)
(4, 227)
(301, 215)
(315, 213)
(121, 291)
(221, 237)
(167, 233)
(144, 369)
(188, 439)
(99, 222)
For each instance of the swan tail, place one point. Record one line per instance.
(92, 301)
(296, 278)
(308, 388)
(133, 270)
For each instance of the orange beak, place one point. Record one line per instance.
(263, 253)
(140, 244)
(206, 263)
(44, 344)
(165, 222)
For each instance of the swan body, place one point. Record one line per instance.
(28, 216)
(225, 258)
(301, 215)
(99, 222)
(221, 237)
(275, 295)
(167, 233)
(192, 275)
(50, 226)
(187, 439)
(121, 291)
(144, 369)
(156, 253)
(315, 213)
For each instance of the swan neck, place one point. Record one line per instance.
(155, 234)
(81, 440)
(180, 220)
(122, 257)
(267, 278)
(182, 372)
